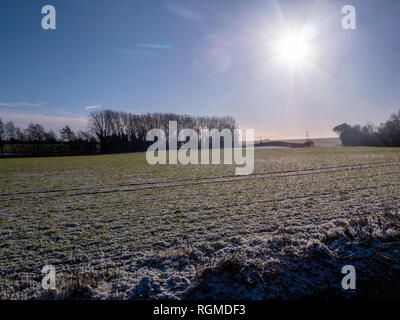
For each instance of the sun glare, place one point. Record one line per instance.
(293, 49)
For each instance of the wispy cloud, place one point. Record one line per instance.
(183, 12)
(20, 104)
(96, 106)
(154, 46)
(22, 119)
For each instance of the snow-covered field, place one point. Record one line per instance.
(115, 227)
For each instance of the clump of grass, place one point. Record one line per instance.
(329, 237)
(234, 263)
(229, 277)
(79, 287)
(200, 262)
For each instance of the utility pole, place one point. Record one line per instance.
(307, 132)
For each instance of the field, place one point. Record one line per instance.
(115, 227)
(319, 142)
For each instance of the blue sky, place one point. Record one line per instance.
(201, 58)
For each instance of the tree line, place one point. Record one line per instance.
(119, 131)
(387, 134)
(36, 141)
(108, 131)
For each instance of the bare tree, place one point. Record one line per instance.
(20, 135)
(67, 134)
(35, 132)
(10, 131)
(122, 131)
(50, 136)
(84, 136)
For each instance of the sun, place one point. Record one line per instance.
(293, 48)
